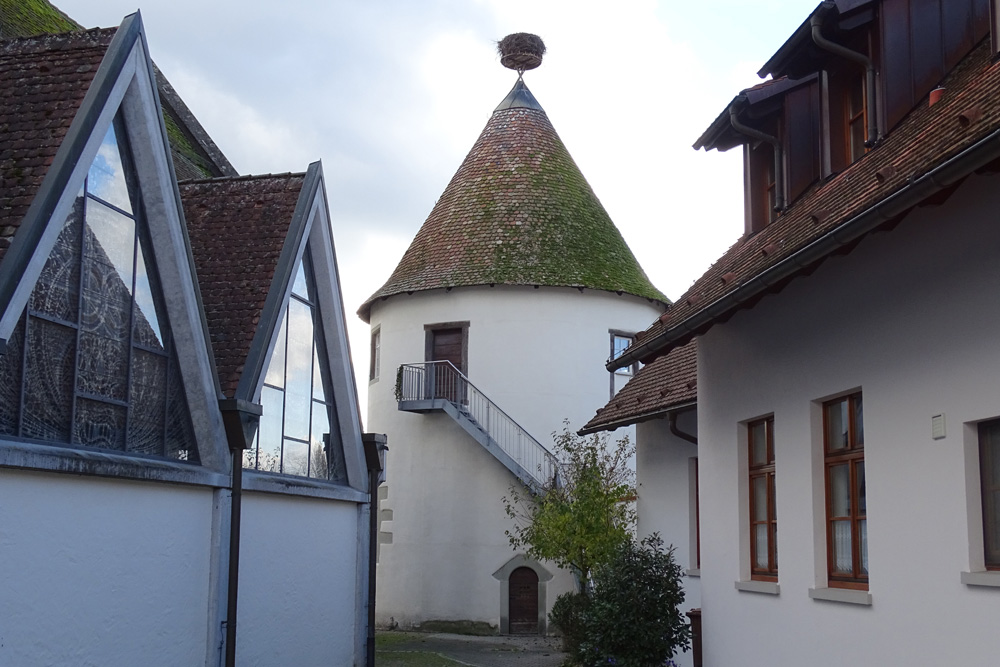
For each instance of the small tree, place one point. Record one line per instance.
(582, 522)
(633, 618)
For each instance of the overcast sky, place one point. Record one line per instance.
(391, 95)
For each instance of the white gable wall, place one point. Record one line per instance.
(103, 572)
(909, 317)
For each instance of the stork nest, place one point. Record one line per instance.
(521, 51)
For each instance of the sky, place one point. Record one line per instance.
(392, 94)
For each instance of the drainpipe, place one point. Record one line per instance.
(672, 422)
(240, 419)
(816, 23)
(779, 180)
(375, 450)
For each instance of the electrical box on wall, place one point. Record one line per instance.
(937, 427)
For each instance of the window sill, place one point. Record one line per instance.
(752, 586)
(989, 578)
(845, 595)
(300, 486)
(693, 572)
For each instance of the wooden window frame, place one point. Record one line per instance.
(852, 455)
(855, 120)
(989, 449)
(375, 358)
(766, 471)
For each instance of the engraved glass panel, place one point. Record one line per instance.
(295, 459)
(180, 442)
(106, 178)
(146, 329)
(109, 239)
(99, 424)
(10, 380)
(57, 292)
(335, 452)
(48, 379)
(299, 365)
(103, 366)
(148, 403)
(276, 367)
(836, 425)
(269, 430)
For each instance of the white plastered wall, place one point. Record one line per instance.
(909, 317)
(100, 571)
(539, 354)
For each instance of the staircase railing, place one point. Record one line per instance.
(440, 380)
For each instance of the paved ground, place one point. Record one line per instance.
(523, 651)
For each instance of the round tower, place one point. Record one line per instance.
(492, 331)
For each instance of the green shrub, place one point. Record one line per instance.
(567, 616)
(633, 619)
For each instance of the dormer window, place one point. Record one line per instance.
(762, 187)
(857, 118)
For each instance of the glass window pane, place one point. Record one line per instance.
(836, 425)
(276, 366)
(48, 379)
(295, 458)
(109, 240)
(318, 391)
(300, 287)
(148, 399)
(99, 424)
(759, 498)
(298, 375)
(760, 546)
(103, 366)
(840, 490)
(180, 442)
(863, 544)
(318, 463)
(758, 439)
(147, 323)
(10, 380)
(859, 471)
(842, 557)
(106, 177)
(57, 292)
(859, 422)
(269, 431)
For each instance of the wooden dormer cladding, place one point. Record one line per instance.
(921, 41)
(802, 122)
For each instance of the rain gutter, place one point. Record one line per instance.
(779, 185)
(629, 421)
(941, 177)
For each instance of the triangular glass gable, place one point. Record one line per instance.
(299, 433)
(91, 362)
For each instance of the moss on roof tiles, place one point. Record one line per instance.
(26, 18)
(518, 212)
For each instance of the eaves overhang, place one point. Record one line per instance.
(659, 413)
(945, 175)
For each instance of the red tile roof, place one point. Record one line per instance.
(43, 81)
(928, 137)
(238, 227)
(667, 383)
(518, 212)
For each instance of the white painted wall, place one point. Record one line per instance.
(100, 572)
(539, 354)
(664, 475)
(299, 582)
(911, 318)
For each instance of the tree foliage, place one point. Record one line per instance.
(634, 617)
(581, 521)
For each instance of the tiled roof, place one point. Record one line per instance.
(924, 140)
(43, 81)
(667, 383)
(237, 227)
(25, 18)
(518, 212)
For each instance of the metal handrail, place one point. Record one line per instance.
(441, 380)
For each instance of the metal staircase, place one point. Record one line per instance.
(437, 386)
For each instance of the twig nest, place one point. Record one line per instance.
(521, 51)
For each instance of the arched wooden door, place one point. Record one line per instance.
(523, 587)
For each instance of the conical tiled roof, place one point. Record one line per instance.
(518, 212)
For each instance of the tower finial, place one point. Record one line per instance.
(521, 51)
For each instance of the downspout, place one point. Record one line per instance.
(240, 419)
(672, 422)
(375, 449)
(779, 179)
(816, 23)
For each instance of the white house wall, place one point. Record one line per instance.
(539, 354)
(103, 572)
(298, 581)
(909, 318)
